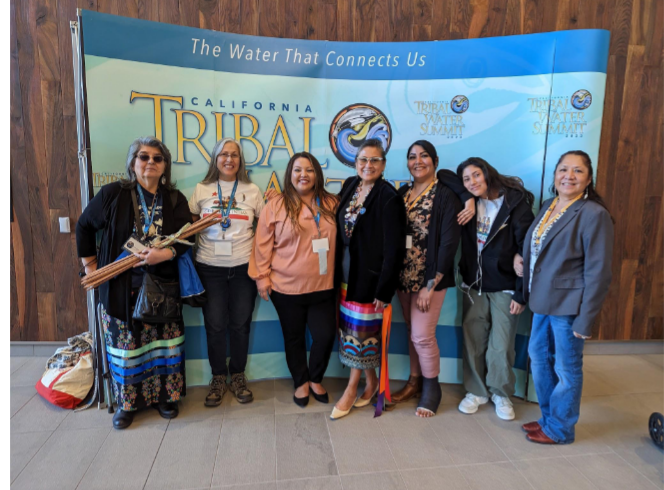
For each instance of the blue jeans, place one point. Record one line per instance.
(557, 366)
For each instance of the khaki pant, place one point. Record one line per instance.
(489, 331)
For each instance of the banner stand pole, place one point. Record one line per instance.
(102, 392)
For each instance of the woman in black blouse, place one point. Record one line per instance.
(370, 247)
(146, 360)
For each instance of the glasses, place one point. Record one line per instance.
(226, 156)
(144, 157)
(373, 161)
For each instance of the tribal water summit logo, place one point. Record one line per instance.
(581, 99)
(460, 104)
(355, 124)
(561, 114)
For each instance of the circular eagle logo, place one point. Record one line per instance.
(460, 104)
(355, 124)
(581, 99)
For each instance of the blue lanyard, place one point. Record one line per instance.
(317, 216)
(225, 222)
(146, 228)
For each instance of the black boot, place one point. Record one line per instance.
(431, 395)
(167, 410)
(122, 419)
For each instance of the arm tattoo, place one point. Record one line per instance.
(433, 282)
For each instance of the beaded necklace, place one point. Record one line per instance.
(548, 220)
(411, 205)
(354, 209)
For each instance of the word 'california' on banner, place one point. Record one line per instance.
(519, 102)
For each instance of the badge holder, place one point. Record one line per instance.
(224, 247)
(321, 247)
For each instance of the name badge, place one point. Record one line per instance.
(224, 247)
(134, 245)
(321, 246)
(409, 241)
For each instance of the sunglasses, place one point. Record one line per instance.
(146, 158)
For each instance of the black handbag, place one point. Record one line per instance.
(159, 299)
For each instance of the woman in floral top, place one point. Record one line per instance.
(431, 242)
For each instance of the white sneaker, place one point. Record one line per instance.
(471, 403)
(504, 408)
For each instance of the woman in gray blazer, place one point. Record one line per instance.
(567, 272)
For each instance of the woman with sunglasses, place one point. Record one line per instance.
(293, 265)
(146, 359)
(222, 261)
(370, 248)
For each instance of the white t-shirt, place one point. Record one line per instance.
(487, 211)
(246, 207)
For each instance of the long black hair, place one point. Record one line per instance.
(428, 147)
(593, 195)
(496, 182)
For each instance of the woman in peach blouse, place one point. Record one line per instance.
(293, 264)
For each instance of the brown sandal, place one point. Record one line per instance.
(412, 388)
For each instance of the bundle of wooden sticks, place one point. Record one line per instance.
(108, 272)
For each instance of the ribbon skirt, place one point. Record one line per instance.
(146, 361)
(364, 335)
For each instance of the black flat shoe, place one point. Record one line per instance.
(122, 419)
(324, 398)
(167, 410)
(301, 402)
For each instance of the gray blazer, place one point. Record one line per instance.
(573, 271)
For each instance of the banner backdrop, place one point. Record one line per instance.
(519, 102)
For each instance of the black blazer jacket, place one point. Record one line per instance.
(377, 246)
(444, 233)
(112, 212)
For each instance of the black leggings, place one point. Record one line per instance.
(296, 312)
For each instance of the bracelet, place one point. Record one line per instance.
(173, 252)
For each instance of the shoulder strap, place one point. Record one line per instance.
(137, 215)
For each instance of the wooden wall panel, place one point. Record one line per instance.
(47, 302)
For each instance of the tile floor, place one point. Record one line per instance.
(273, 444)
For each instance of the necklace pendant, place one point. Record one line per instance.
(225, 223)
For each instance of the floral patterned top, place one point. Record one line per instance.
(411, 277)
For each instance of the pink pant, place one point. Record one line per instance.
(422, 343)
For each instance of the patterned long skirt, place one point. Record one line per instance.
(360, 327)
(146, 361)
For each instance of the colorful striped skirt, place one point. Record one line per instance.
(360, 326)
(146, 361)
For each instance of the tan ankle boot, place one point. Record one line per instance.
(412, 388)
